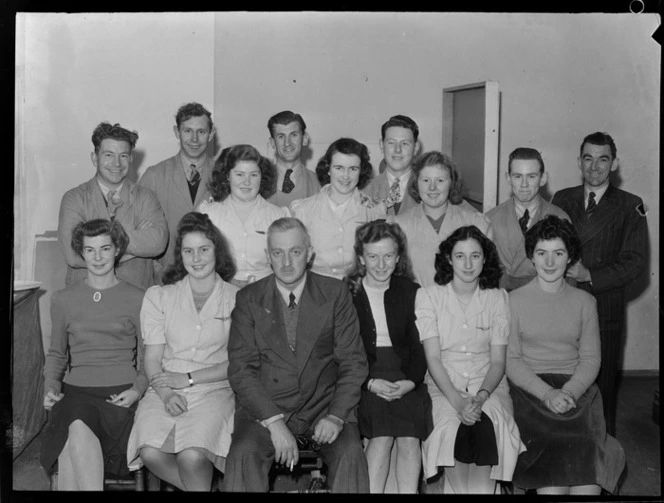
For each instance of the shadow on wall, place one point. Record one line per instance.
(138, 156)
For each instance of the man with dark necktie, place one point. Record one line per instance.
(288, 137)
(614, 242)
(180, 182)
(512, 219)
(110, 195)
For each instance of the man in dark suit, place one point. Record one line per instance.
(611, 224)
(296, 364)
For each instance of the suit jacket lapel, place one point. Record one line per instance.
(202, 191)
(180, 180)
(575, 209)
(270, 322)
(601, 217)
(313, 315)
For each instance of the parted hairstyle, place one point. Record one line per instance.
(100, 227)
(492, 269)
(189, 110)
(284, 118)
(431, 159)
(600, 139)
(347, 146)
(553, 227)
(284, 224)
(525, 154)
(219, 184)
(223, 259)
(106, 130)
(372, 232)
(400, 121)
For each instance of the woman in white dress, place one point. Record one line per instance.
(333, 215)
(183, 424)
(240, 182)
(464, 324)
(437, 186)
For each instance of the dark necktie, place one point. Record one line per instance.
(291, 304)
(194, 180)
(288, 183)
(591, 205)
(523, 221)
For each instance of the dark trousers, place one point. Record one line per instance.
(251, 455)
(607, 380)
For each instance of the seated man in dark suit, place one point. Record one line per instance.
(296, 364)
(611, 224)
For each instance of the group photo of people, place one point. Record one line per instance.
(236, 306)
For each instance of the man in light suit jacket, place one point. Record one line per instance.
(296, 364)
(398, 144)
(614, 242)
(511, 219)
(180, 182)
(111, 196)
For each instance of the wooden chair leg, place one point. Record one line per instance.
(53, 480)
(139, 478)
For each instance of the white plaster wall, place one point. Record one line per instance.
(561, 77)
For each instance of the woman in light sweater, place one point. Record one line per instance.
(92, 374)
(553, 358)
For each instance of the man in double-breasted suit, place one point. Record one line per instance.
(611, 224)
(180, 182)
(296, 364)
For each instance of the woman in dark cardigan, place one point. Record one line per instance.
(395, 407)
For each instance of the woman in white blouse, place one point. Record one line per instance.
(437, 186)
(240, 182)
(332, 215)
(183, 424)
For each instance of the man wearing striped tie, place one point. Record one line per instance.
(111, 195)
(611, 224)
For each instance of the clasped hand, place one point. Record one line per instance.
(173, 380)
(286, 451)
(174, 404)
(469, 409)
(390, 391)
(559, 401)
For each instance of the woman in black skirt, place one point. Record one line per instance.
(395, 407)
(92, 380)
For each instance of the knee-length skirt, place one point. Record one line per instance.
(565, 449)
(207, 424)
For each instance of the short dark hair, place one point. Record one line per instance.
(219, 184)
(492, 269)
(525, 154)
(100, 227)
(430, 159)
(347, 146)
(372, 232)
(599, 139)
(105, 131)
(553, 227)
(400, 121)
(285, 118)
(223, 259)
(189, 110)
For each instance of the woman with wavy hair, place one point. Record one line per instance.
(332, 215)
(437, 186)
(240, 182)
(464, 321)
(184, 422)
(92, 373)
(395, 408)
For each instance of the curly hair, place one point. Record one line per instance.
(553, 227)
(372, 232)
(100, 227)
(105, 130)
(223, 259)
(220, 185)
(347, 146)
(433, 158)
(400, 121)
(492, 269)
(189, 110)
(600, 139)
(284, 118)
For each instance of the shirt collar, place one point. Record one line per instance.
(403, 178)
(297, 291)
(598, 192)
(105, 189)
(520, 208)
(186, 162)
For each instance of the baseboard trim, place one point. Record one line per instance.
(640, 373)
